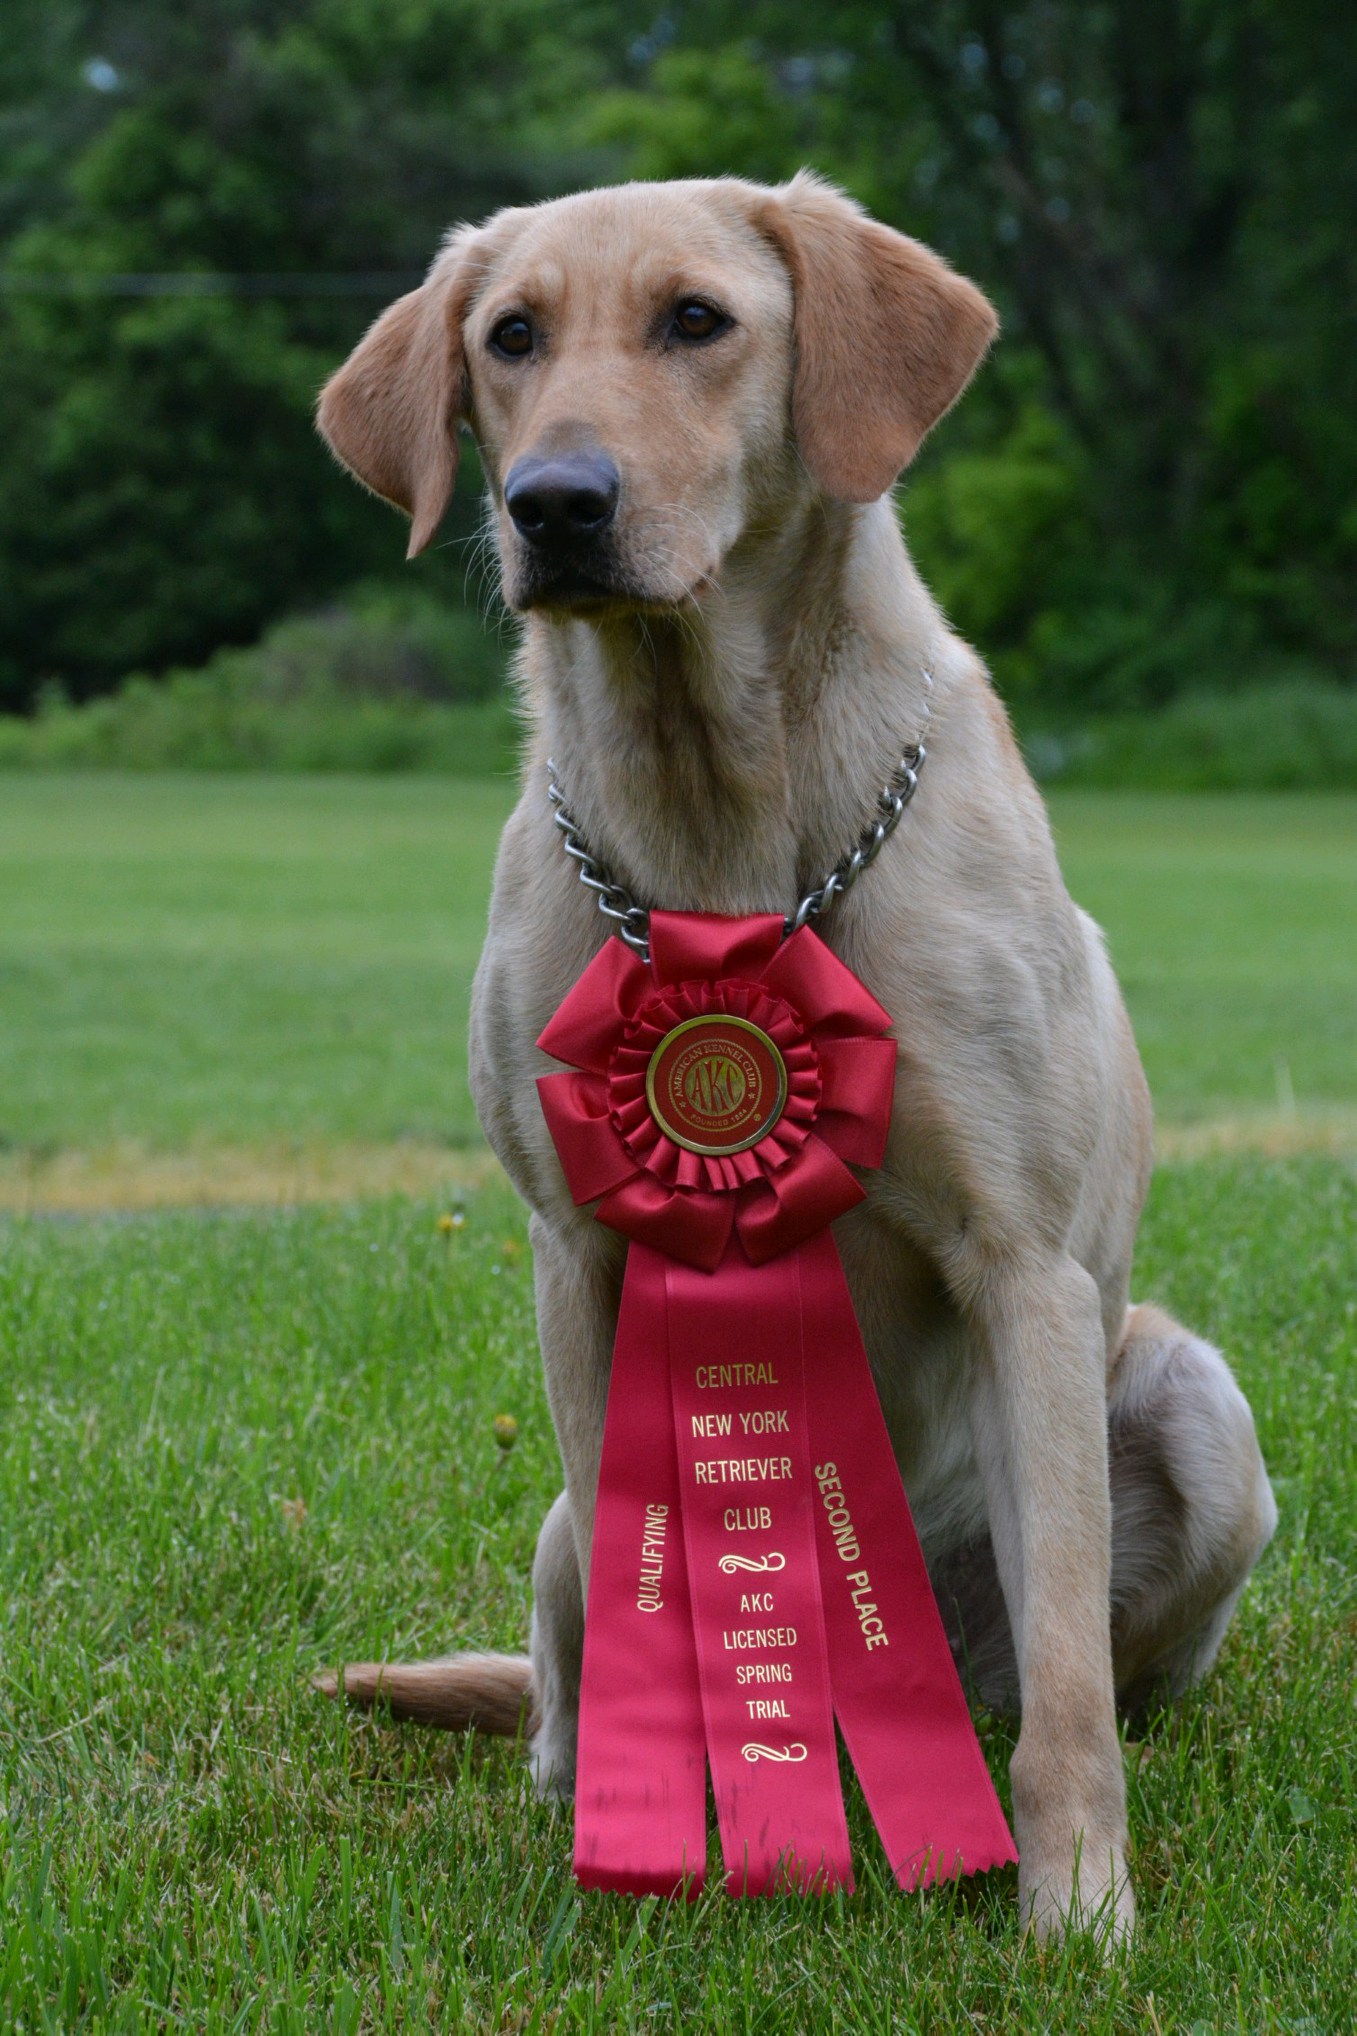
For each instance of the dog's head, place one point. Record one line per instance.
(652, 370)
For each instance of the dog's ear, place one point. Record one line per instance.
(390, 413)
(887, 337)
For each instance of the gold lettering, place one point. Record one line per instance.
(741, 1470)
(713, 1377)
(765, 1421)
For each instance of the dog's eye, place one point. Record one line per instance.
(512, 337)
(695, 320)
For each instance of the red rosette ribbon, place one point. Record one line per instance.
(794, 1181)
(755, 1571)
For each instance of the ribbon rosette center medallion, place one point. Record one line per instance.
(755, 1572)
(716, 1085)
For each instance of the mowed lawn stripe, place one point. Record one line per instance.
(1232, 922)
(229, 962)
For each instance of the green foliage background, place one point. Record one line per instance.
(1152, 489)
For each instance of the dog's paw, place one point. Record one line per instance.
(1090, 1891)
(553, 1769)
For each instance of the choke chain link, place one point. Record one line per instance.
(632, 921)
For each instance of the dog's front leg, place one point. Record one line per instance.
(1040, 1429)
(577, 1268)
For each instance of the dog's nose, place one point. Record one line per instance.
(557, 502)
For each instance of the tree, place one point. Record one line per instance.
(162, 491)
(1152, 485)
(1161, 464)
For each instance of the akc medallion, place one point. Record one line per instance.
(716, 1085)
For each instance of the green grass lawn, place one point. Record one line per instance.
(1232, 922)
(227, 959)
(223, 960)
(237, 1445)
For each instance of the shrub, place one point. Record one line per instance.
(1299, 734)
(386, 682)
(378, 644)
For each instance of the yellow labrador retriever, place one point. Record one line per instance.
(692, 401)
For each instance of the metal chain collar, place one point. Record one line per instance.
(632, 921)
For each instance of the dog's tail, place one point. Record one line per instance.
(463, 1693)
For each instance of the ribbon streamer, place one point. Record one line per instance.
(718, 1101)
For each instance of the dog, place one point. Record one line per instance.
(692, 403)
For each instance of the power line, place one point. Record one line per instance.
(205, 283)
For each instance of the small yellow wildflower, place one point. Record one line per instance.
(506, 1430)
